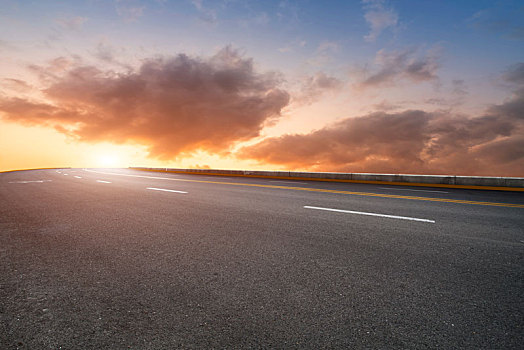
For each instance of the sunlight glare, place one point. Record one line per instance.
(108, 160)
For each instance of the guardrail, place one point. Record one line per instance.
(450, 181)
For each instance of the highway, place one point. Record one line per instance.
(119, 258)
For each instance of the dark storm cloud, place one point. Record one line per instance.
(172, 105)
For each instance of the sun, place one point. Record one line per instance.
(108, 155)
(108, 160)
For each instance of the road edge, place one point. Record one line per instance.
(15, 170)
(464, 182)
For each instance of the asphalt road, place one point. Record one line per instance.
(107, 259)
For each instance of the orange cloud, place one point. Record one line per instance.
(173, 105)
(408, 142)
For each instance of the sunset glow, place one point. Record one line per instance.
(372, 86)
(108, 160)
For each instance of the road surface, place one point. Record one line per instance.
(117, 258)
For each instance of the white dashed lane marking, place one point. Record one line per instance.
(165, 190)
(29, 181)
(371, 214)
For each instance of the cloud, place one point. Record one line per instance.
(515, 74)
(456, 94)
(503, 19)
(346, 142)
(386, 106)
(411, 141)
(323, 53)
(261, 19)
(72, 23)
(459, 88)
(285, 49)
(172, 105)
(105, 52)
(379, 18)
(288, 12)
(4, 44)
(129, 10)
(291, 47)
(16, 85)
(256, 19)
(55, 68)
(110, 54)
(206, 15)
(313, 87)
(327, 46)
(397, 65)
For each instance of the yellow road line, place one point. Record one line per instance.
(15, 170)
(368, 194)
(415, 184)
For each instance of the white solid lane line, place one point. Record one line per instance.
(163, 189)
(405, 189)
(167, 178)
(370, 214)
(65, 174)
(147, 177)
(104, 182)
(78, 177)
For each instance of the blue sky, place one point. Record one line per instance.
(335, 59)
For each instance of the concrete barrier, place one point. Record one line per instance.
(449, 181)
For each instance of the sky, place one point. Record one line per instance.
(373, 86)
